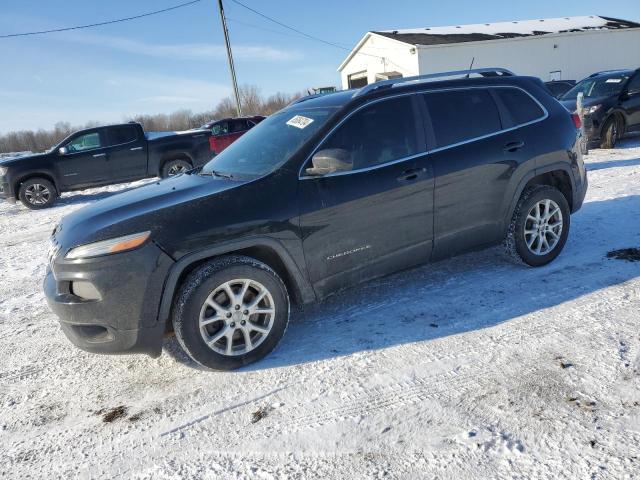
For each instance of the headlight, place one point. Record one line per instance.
(3, 171)
(105, 247)
(591, 109)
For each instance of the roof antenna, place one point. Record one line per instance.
(471, 66)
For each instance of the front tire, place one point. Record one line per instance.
(37, 193)
(539, 226)
(175, 167)
(231, 312)
(611, 133)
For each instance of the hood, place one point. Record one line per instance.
(8, 161)
(588, 102)
(149, 207)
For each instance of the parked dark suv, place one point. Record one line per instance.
(611, 105)
(331, 191)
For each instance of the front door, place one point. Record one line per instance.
(84, 161)
(375, 218)
(127, 153)
(631, 103)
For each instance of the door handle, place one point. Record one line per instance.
(99, 155)
(513, 146)
(411, 174)
(135, 148)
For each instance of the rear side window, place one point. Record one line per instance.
(379, 133)
(239, 125)
(462, 115)
(119, 135)
(521, 107)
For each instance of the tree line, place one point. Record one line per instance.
(252, 102)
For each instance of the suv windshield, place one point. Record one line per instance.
(270, 143)
(604, 86)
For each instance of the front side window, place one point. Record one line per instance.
(462, 115)
(120, 135)
(221, 128)
(521, 107)
(88, 141)
(237, 126)
(379, 133)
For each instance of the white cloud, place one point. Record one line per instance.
(186, 50)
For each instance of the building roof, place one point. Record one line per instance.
(501, 30)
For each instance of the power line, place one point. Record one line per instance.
(300, 32)
(90, 25)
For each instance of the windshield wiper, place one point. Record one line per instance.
(213, 173)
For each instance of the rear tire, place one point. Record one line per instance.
(175, 167)
(217, 320)
(539, 227)
(37, 193)
(611, 133)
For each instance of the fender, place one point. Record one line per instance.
(515, 197)
(306, 292)
(34, 173)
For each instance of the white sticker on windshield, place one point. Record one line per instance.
(613, 80)
(300, 122)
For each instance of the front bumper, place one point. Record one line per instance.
(121, 314)
(5, 190)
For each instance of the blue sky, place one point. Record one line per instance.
(177, 59)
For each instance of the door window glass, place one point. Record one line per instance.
(461, 115)
(634, 85)
(379, 133)
(522, 107)
(88, 141)
(220, 128)
(120, 135)
(238, 126)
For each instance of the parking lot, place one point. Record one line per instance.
(467, 368)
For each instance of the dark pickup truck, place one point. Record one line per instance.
(100, 156)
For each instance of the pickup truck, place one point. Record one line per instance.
(101, 156)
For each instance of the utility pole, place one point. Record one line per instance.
(230, 58)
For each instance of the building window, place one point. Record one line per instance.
(358, 80)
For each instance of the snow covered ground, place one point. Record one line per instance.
(468, 368)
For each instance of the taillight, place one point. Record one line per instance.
(576, 120)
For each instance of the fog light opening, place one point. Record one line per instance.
(85, 290)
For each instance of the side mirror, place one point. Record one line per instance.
(330, 160)
(63, 150)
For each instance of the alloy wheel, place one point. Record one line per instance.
(543, 227)
(176, 169)
(237, 317)
(37, 194)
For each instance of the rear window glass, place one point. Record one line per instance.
(522, 107)
(461, 115)
(118, 135)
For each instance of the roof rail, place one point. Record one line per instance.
(485, 72)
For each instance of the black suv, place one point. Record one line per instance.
(611, 105)
(331, 191)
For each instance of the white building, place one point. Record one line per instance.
(552, 49)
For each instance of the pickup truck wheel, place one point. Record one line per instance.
(539, 226)
(175, 167)
(37, 193)
(231, 312)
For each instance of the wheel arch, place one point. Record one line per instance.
(620, 115)
(267, 250)
(28, 176)
(174, 156)
(557, 175)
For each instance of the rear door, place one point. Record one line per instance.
(85, 161)
(476, 154)
(376, 218)
(126, 152)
